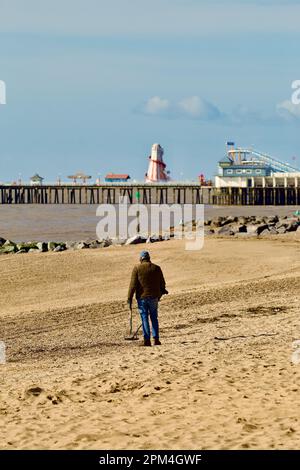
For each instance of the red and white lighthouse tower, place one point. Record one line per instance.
(156, 170)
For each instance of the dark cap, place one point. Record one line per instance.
(144, 255)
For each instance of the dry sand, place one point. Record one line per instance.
(222, 379)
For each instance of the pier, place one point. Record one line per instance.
(105, 194)
(168, 193)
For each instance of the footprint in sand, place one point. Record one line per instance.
(33, 392)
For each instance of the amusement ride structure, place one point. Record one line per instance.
(157, 168)
(249, 156)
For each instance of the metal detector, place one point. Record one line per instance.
(132, 336)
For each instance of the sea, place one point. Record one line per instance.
(32, 222)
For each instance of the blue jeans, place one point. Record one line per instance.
(148, 307)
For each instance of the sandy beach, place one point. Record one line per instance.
(222, 378)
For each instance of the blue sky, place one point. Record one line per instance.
(92, 84)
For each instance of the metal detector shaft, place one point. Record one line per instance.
(132, 336)
(137, 330)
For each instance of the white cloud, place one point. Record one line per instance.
(192, 107)
(288, 110)
(198, 108)
(156, 105)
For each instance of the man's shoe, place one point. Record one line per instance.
(157, 342)
(147, 342)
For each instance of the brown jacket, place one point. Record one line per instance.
(147, 280)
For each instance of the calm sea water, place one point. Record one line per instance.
(78, 222)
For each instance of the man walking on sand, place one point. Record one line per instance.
(148, 284)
